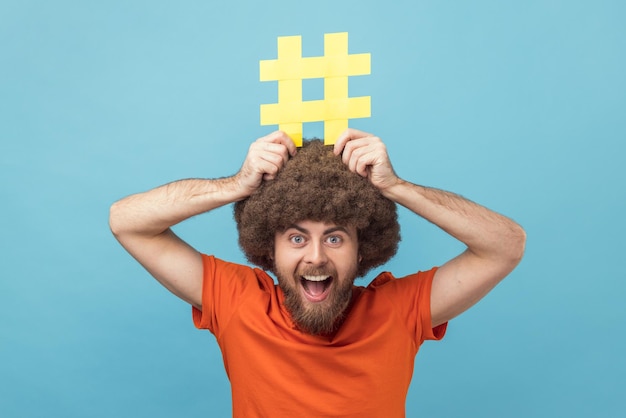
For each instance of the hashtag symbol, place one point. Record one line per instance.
(334, 67)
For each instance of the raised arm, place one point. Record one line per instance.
(495, 244)
(142, 222)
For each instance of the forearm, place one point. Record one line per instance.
(153, 212)
(487, 234)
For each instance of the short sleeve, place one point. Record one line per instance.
(223, 287)
(410, 297)
(423, 308)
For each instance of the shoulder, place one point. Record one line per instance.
(387, 280)
(218, 269)
(226, 286)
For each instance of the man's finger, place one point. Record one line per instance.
(280, 137)
(347, 136)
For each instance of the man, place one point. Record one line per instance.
(316, 345)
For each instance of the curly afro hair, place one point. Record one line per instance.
(316, 185)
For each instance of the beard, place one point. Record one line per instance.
(317, 318)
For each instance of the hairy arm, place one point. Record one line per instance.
(142, 222)
(495, 243)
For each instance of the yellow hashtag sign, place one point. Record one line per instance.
(334, 67)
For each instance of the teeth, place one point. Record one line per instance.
(315, 278)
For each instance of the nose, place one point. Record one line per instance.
(315, 254)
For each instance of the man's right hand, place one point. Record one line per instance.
(266, 156)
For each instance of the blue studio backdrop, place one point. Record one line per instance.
(519, 106)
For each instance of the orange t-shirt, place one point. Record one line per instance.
(275, 370)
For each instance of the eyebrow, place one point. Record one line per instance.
(327, 231)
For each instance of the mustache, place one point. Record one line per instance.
(315, 271)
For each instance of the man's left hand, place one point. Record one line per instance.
(366, 155)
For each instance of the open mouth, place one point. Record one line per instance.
(316, 288)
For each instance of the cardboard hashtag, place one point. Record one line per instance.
(290, 68)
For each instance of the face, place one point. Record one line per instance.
(316, 264)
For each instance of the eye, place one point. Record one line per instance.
(334, 240)
(297, 239)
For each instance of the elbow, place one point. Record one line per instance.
(517, 245)
(115, 216)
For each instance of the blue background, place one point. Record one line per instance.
(519, 106)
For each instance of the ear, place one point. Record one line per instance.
(360, 258)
